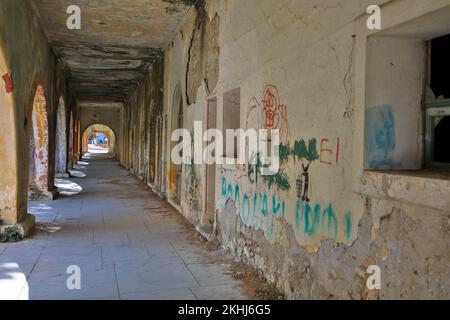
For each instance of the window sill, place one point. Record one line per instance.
(427, 188)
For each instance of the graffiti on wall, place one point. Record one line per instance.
(192, 182)
(193, 187)
(256, 209)
(269, 112)
(380, 137)
(316, 219)
(261, 210)
(39, 142)
(7, 79)
(304, 152)
(262, 201)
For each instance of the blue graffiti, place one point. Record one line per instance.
(255, 211)
(348, 226)
(380, 137)
(315, 220)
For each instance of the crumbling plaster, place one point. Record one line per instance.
(106, 60)
(316, 228)
(139, 127)
(30, 62)
(274, 45)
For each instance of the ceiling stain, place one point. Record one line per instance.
(119, 39)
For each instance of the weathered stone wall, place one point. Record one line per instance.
(139, 129)
(315, 227)
(30, 62)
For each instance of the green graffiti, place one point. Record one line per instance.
(308, 153)
(284, 154)
(252, 213)
(298, 211)
(315, 218)
(348, 226)
(330, 221)
(312, 220)
(277, 206)
(280, 180)
(237, 194)
(254, 167)
(227, 190)
(265, 205)
(246, 212)
(224, 187)
(255, 204)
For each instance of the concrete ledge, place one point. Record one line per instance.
(426, 189)
(23, 228)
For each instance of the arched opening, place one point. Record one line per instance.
(175, 171)
(38, 178)
(141, 144)
(99, 138)
(8, 145)
(71, 143)
(61, 141)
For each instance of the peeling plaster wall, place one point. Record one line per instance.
(30, 61)
(61, 147)
(140, 130)
(307, 229)
(39, 148)
(192, 67)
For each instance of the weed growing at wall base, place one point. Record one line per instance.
(10, 234)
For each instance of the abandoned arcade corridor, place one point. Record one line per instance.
(97, 201)
(127, 242)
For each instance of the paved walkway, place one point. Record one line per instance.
(127, 243)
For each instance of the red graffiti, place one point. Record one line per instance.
(272, 112)
(8, 83)
(326, 152)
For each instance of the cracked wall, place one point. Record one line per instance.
(203, 55)
(141, 128)
(28, 62)
(309, 228)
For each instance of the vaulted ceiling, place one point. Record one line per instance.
(119, 39)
